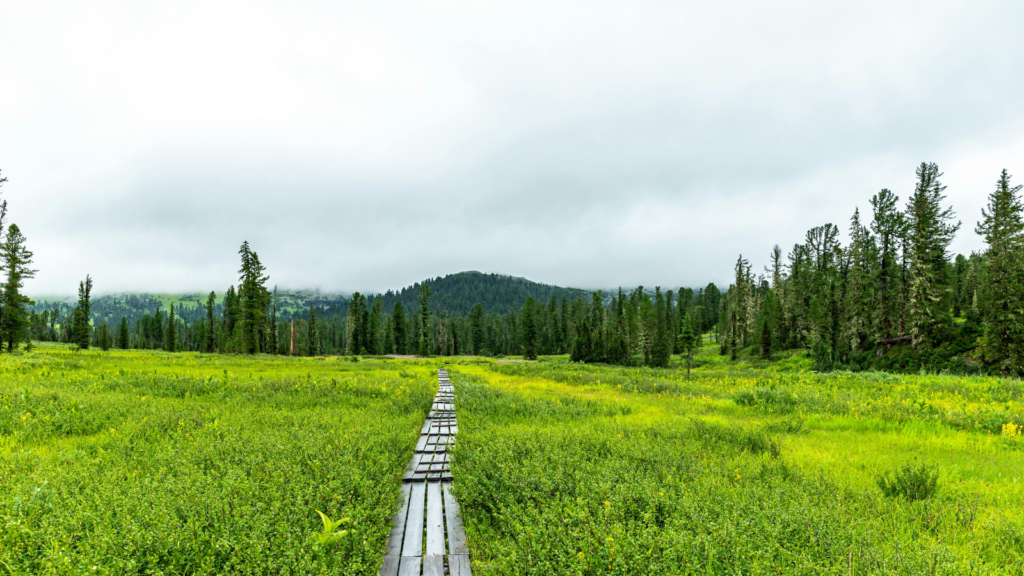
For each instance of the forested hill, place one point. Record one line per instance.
(457, 293)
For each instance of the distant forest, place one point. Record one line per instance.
(466, 313)
(894, 298)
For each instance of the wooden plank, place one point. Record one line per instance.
(433, 565)
(458, 565)
(456, 533)
(390, 565)
(412, 544)
(421, 444)
(394, 547)
(410, 566)
(435, 520)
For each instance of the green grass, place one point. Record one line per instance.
(152, 463)
(742, 469)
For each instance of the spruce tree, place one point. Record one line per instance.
(82, 310)
(930, 232)
(312, 334)
(273, 326)
(103, 336)
(476, 321)
(171, 333)
(211, 334)
(424, 297)
(1002, 226)
(687, 341)
(15, 260)
(122, 334)
(889, 226)
(529, 329)
(253, 296)
(661, 347)
(401, 336)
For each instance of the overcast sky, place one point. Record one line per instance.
(368, 145)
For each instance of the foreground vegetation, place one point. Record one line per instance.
(153, 463)
(157, 463)
(572, 469)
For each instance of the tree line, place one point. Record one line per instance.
(893, 297)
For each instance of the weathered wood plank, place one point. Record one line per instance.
(435, 520)
(412, 544)
(433, 565)
(458, 565)
(394, 547)
(410, 566)
(456, 533)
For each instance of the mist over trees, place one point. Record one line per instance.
(892, 298)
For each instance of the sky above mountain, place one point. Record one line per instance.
(367, 145)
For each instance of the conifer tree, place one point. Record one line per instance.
(82, 330)
(211, 335)
(476, 321)
(890, 227)
(660, 347)
(930, 232)
(401, 336)
(687, 341)
(1002, 226)
(103, 336)
(15, 260)
(252, 293)
(171, 333)
(424, 297)
(312, 334)
(374, 326)
(529, 328)
(272, 347)
(122, 334)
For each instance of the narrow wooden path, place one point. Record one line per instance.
(427, 537)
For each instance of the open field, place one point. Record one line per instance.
(155, 463)
(571, 469)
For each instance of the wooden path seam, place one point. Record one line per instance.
(427, 537)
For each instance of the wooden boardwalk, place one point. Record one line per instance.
(427, 537)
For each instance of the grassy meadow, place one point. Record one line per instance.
(142, 462)
(739, 469)
(153, 463)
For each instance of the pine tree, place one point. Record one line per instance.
(529, 329)
(930, 233)
(476, 321)
(424, 297)
(312, 334)
(889, 226)
(253, 296)
(15, 260)
(401, 336)
(273, 326)
(660, 346)
(211, 335)
(82, 331)
(1002, 226)
(171, 333)
(687, 341)
(122, 334)
(103, 336)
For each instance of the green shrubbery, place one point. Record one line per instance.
(910, 482)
